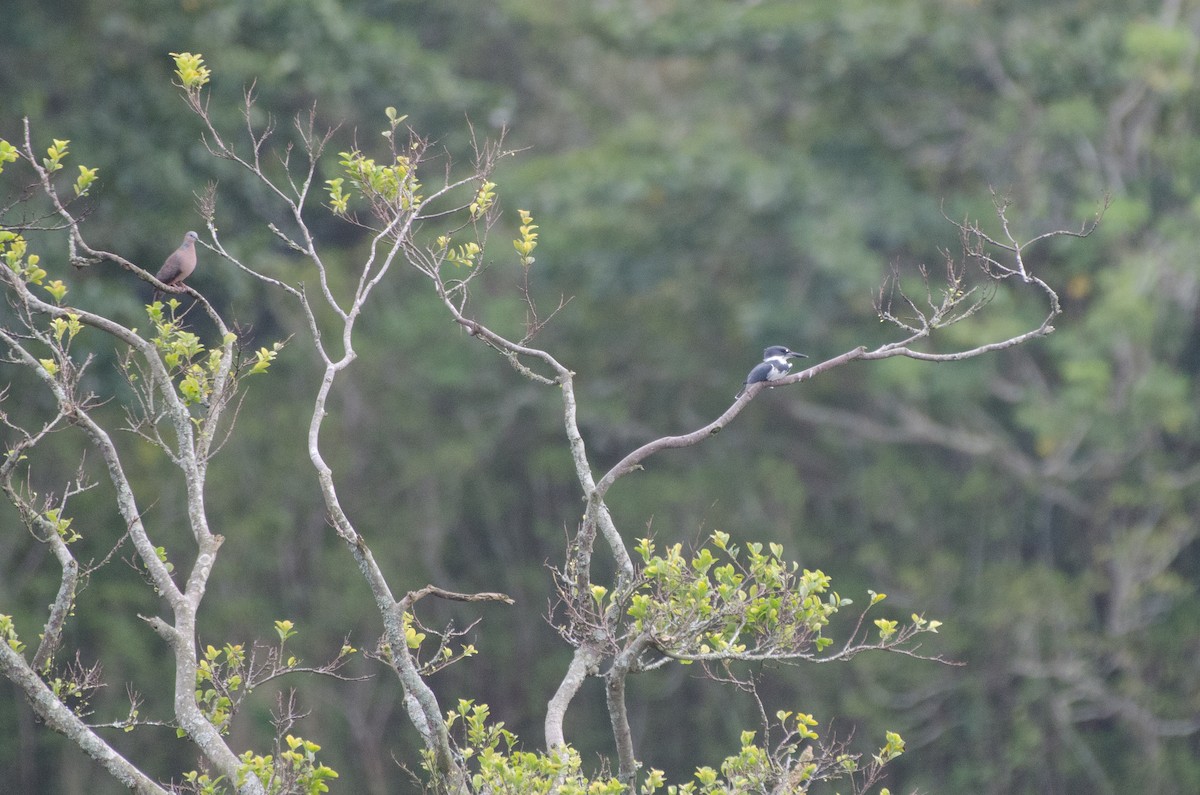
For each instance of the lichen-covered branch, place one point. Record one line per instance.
(59, 717)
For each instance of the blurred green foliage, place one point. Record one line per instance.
(708, 177)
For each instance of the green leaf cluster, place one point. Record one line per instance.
(15, 250)
(498, 766)
(394, 185)
(182, 351)
(219, 672)
(191, 71)
(292, 770)
(8, 633)
(730, 603)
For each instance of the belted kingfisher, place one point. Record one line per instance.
(775, 365)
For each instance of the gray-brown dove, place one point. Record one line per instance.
(180, 264)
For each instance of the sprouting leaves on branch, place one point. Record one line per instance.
(191, 71)
(394, 187)
(8, 154)
(15, 250)
(55, 154)
(527, 242)
(721, 602)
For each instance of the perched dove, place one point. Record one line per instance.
(180, 264)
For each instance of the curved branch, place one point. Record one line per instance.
(633, 461)
(584, 663)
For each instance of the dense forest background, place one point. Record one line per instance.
(709, 177)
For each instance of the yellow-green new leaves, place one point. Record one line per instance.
(85, 179)
(723, 602)
(893, 748)
(804, 723)
(195, 386)
(654, 781)
(302, 756)
(180, 346)
(181, 353)
(297, 764)
(62, 526)
(396, 186)
(395, 120)
(752, 769)
(393, 116)
(467, 254)
(412, 638)
(8, 154)
(527, 242)
(8, 634)
(57, 290)
(481, 735)
(14, 248)
(706, 776)
(285, 629)
(202, 783)
(927, 626)
(339, 200)
(484, 199)
(53, 161)
(431, 657)
(55, 155)
(61, 327)
(191, 71)
(733, 603)
(161, 552)
(263, 359)
(71, 691)
(217, 673)
(496, 764)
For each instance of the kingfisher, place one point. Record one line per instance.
(775, 365)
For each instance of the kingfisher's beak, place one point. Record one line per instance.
(801, 355)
